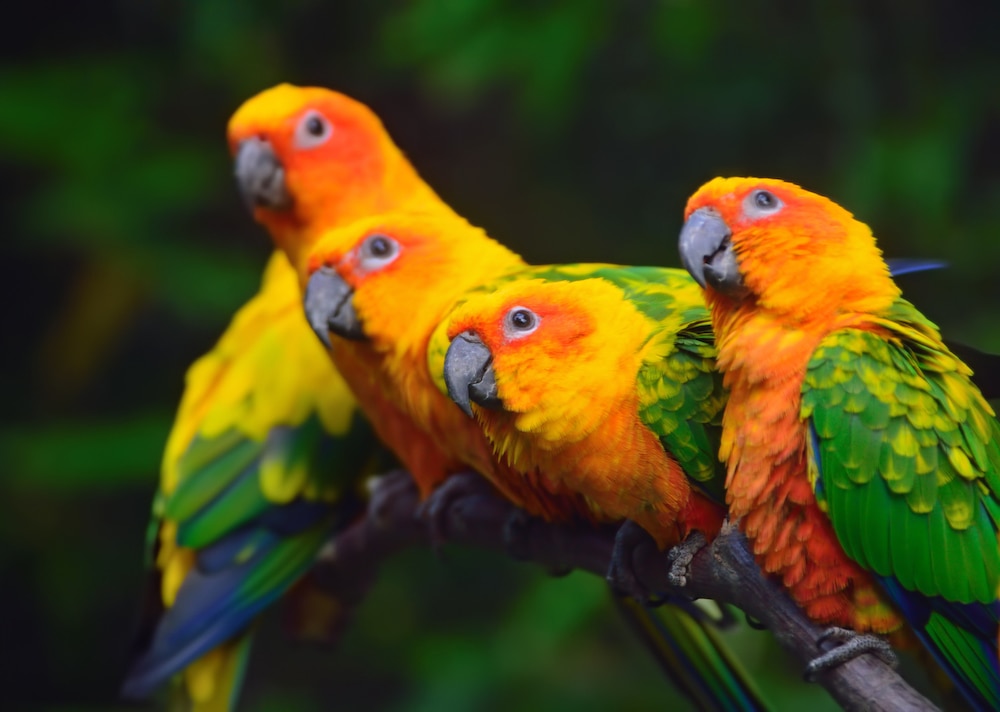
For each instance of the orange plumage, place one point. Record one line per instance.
(764, 351)
(863, 461)
(386, 282)
(399, 305)
(571, 394)
(337, 163)
(330, 162)
(248, 429)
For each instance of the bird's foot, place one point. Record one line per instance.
(385, 492)
(517, 534)
(681, 556)
(850, 645)
(437, 508)
(622, 576)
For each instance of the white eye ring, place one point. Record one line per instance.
(313, 130)
(762, 202)
(519, 322)
(377, 251)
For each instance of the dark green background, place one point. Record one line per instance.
(571, 130)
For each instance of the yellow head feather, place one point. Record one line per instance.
(809, 259)
(438, 256)
(578, 363)
(352, 171)
(255, 377)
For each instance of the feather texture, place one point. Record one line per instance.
(268, 445)
(614, 396)
(839, 383)
(258, 472)
(400, 302)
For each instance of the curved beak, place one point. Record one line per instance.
(707, 253)
(260, 176)
(329, 307)
(468, 372)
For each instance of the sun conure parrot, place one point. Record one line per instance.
(603, 378)
(862, 463)
(310, 159)
(267, 443)
(260, 469)
(382, 286)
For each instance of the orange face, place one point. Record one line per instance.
(380, 253)
(362, 272)
(759, 203)
(551, 347)
(310, 158)
(531, 315)
(783, 246)
(406, 252)
(404, 268)
(524, 338)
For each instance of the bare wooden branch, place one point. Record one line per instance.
(724, 571)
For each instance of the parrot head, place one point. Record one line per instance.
(308, 159)
(557, 354)
(776, 245)
(388, 279)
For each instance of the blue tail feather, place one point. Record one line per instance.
(233, 581)
(909, 265)
(693, 655)
(962, 637)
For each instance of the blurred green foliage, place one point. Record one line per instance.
(572, 130)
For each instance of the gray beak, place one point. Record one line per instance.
(329, 307)
(468, 372)
(260, 176)
(707, 253)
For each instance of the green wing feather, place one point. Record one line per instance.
(265, 460)
(681, 393)
(681, 399)
(693, 655)
(909, 453)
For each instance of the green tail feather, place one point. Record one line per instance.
(694, 657)
(970, 660)
(228, 682)
(231, 682)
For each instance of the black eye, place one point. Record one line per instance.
(760, 203)
(378, 250)
(378, 246)
(764, 200)
(522, 319)
(315, 126)
(312, 130)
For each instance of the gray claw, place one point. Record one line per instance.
(437, 507)
(385, 490)
(622, 576)
(681, 556)
(851, 645)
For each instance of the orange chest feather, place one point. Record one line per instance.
(414, 447)
(763, 439)
(619, 468)
(767, 484)
(428, 433)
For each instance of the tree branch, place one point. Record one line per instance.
(724, 571)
